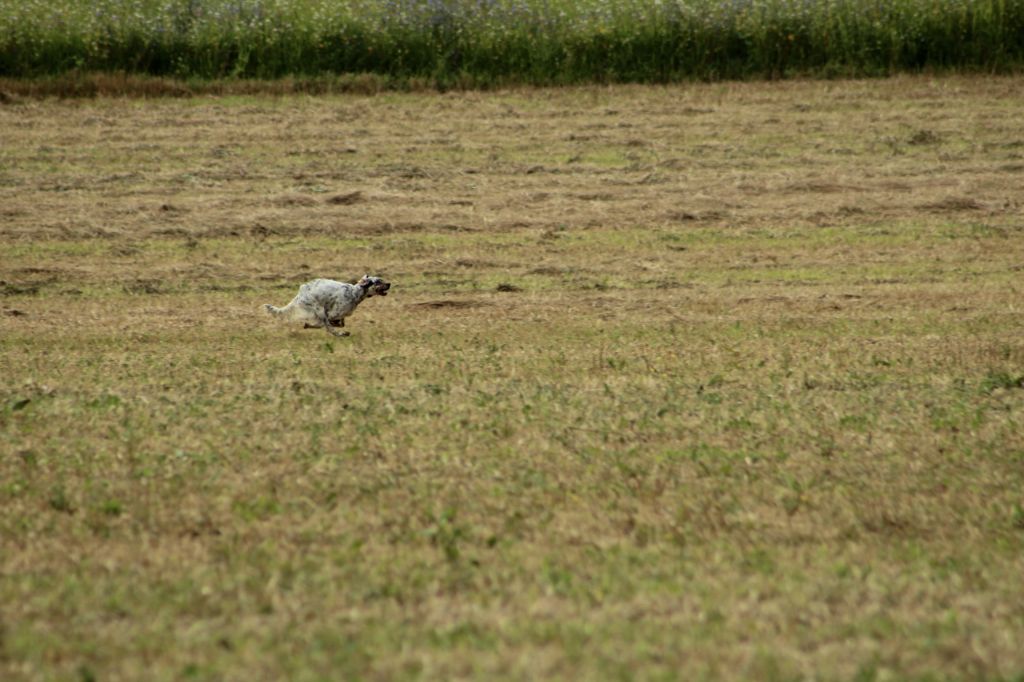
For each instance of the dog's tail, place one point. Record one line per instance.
(275, 311)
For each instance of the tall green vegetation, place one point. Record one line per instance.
(494, 41)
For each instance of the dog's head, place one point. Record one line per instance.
(374, 286)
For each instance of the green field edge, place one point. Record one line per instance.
(92, 84)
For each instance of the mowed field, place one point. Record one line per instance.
(716, 381)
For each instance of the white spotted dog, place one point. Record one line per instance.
(326, 303)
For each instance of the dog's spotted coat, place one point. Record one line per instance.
(326, 303)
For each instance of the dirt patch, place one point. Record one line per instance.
(683, 216)
(19, 288)
(924, 137)
(817, 187)
(552, 271)
(295, 200)
(451, 304)
(345, 199)
(144, 287)
(474, 263)
(954, 204)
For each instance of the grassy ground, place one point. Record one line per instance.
(709, 382)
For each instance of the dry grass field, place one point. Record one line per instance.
(717, 381)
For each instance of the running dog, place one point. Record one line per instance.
(326, 303)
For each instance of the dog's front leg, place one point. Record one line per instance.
(326, 322)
